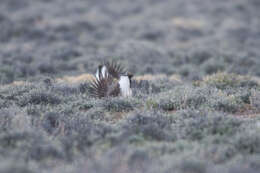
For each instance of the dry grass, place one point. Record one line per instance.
(89, 77)
(151, 77)
(76, 79)
(15, 83)
(188, 23)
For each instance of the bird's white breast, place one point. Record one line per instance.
(124, 84)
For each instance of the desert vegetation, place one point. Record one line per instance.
(196, 90)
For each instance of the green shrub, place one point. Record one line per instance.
(40, 97)
(119, 104)
(225, 80)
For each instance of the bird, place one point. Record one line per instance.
(111, 80)
(110, 68)
(101, 72)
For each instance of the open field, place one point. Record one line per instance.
(196, 103)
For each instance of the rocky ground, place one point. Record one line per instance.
(196, 103)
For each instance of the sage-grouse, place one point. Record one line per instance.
(111, 81)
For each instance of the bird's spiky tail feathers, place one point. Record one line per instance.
(98, 88)
(101, 72)
(115, 69)
(104, 87)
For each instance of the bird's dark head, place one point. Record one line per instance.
(100, 67)
(130, 75)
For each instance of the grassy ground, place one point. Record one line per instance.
(196, 103)
(209, 125)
